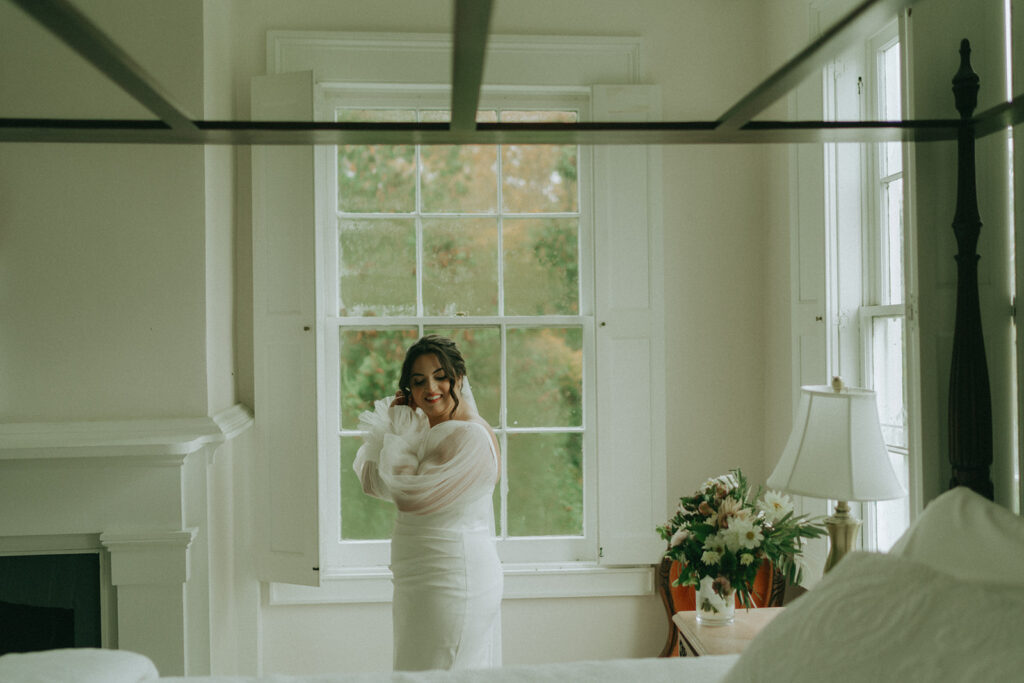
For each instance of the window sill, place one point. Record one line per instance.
(373, 584)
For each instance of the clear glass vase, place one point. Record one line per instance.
(712, 608)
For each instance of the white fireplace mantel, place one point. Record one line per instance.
(140, 487)
(165, 440)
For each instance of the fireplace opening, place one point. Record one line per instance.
(49, 601)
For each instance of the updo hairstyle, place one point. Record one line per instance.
(448, 355)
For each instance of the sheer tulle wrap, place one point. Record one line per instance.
(391, 446)
(398, 462)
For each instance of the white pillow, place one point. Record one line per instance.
(77, 665)
(884, 618)
(968, 536)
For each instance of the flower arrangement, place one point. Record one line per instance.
(723, 533)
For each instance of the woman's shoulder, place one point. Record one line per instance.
(471, 425)
(480, 422)
(467, 431)
(465, 436)
(484, 431)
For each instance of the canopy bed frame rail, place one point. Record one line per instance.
(970, 412)
(469, 39)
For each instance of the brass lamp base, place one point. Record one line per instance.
(842, 532)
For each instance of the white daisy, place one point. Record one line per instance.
(775, 506)
(751, 538)
(731, 536)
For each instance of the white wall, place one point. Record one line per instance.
(791, 30)
(103, 255)
(103, 269)
(219, 200)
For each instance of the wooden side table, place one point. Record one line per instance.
(696, 639)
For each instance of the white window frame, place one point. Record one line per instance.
(868, 315)
(855, 291)
(628, 315)
(877, 282)
(877, 290)
(521, 550)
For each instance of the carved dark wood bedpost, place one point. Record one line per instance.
(970, 407)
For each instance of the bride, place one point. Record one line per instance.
(429, 451)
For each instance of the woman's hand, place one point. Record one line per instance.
(402, 400)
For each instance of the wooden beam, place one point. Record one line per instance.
(472, 20)
(365, 133)
(471, 25)
(81, 35)
(1000, 117)
(865, 19)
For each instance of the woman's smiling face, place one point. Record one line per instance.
(431, 388)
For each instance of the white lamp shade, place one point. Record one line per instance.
(836, 449)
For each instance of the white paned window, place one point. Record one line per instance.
(882, 324)
(542, 262)
(485, 244)
(865, 259)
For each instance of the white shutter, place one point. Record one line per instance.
(629, 295)
(807, 256)
(809, 303)
(848, 196)
(284, 317)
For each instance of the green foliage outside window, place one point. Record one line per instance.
(545, 473)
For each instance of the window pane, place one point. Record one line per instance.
(377, 267)
(362, 516)
(887, 356)
(545, 377)
(541, 266)
(545, 485)
(456, 273)
(891, 106)
(892, 517)
(376, 178)
(481, 348)
(459, 178)
(460, 266)
(371, 363)
(893, 262)
(538, 178)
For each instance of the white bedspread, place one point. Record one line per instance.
(883, 618)
(710, 669)
(76, 665)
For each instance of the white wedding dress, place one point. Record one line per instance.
(446, 572)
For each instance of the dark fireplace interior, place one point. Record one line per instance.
(49, 602)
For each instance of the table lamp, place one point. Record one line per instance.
(836, 451)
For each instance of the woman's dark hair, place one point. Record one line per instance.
(448, 355)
